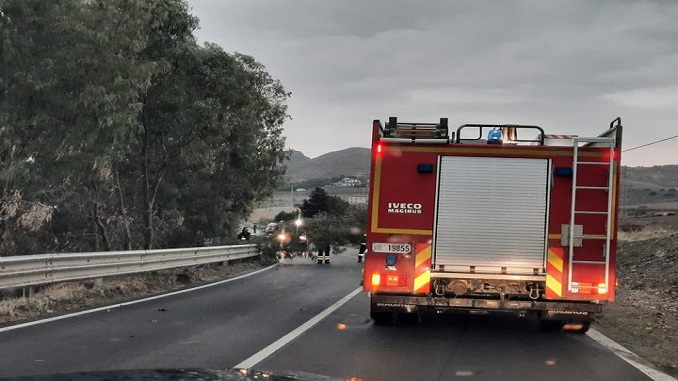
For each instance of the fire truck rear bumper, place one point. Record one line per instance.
(548, 310)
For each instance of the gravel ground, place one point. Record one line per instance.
(644, 317)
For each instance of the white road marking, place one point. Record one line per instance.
(628, 356)
(110, 307)
(272, 348)
(625, 354)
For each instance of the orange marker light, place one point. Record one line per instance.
(602, 288)
(392, 280)
(376, 280)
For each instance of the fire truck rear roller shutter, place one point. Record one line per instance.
(491, 212)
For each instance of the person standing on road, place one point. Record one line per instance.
(323, 246)
(324, 254)
(362, 249)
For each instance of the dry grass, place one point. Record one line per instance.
(646, 233)
(671, 205)
(267, 214)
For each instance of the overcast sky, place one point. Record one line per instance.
(568, 66)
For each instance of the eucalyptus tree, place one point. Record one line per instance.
(119, 131)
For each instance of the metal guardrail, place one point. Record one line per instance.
(36, 270)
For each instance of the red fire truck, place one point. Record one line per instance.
(492, 218)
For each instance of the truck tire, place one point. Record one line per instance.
(408, 318)
(550, 325)
(382, 318)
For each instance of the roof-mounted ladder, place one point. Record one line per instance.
(432, 133)
(599, 142)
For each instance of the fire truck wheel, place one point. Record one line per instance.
(408, 319)
(550, 325)
(381, 318)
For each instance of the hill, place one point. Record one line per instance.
(644, 186)
(662, 176)
(297, 158)
(353, 161)
(640, 185)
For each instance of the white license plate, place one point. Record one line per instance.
(391, 248)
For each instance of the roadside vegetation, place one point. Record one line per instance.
(322, 220)
(69, 297)
(119, 131)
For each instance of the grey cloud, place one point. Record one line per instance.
(311, 18)
(567, 64)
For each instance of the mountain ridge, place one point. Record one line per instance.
(353, 161)
(639, 184)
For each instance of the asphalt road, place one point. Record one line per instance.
(222, 326)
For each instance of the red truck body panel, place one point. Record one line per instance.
(403, 207)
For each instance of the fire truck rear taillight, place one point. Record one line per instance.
(393, 280)
(389, 280)
(574, 287)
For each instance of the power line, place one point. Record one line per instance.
(649, 144)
